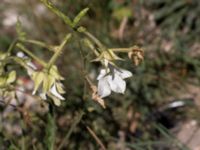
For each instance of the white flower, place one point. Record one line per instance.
(112, 80)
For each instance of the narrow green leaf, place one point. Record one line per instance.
(50, 132)
(80, 16)
(55, 10)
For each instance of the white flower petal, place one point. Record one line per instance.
(103, 88)
(30, 68)
(123, 73)
(102, 74)
(117, 84)
(32, 65)
(33, 93)
(54, 91)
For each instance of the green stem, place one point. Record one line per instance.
(94, 39)
(58, 12)
(123, 50)
(39, 43)
(12, 45)
(59, 50)
(21, 63)
(71, 24)
(75, 123)
(20, 46)
(50, 129)
(91, 46)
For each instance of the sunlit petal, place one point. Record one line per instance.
(117, 84)
(123, 73)
(102, 74)
(103, 88)
(32, 65)
(54, 91)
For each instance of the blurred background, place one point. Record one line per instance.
(160, 109)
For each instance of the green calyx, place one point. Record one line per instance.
(7, 79)
(45, 79)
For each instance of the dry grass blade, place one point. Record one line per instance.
(96, 138)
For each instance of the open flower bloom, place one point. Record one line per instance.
(112, 79)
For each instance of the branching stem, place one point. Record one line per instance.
(22, 48)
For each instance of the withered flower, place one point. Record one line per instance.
(136, 55)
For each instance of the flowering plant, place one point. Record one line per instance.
(47, 79)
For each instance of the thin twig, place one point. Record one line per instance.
(96, 138)
(22, 48)
(39, 43)
(65, 139)
(95, 95)
(11, 47)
